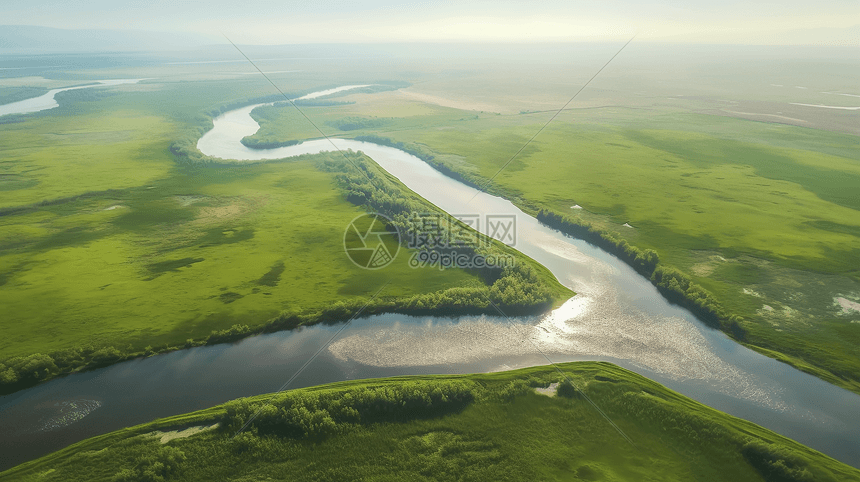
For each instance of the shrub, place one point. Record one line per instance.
(319, 414)
(235, 332)
(566, 389)
(776, 464)
(153, 466)
(106, 355)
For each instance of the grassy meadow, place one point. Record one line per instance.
(117, 240)
(463, 427)
(109, 247)
(763, 216)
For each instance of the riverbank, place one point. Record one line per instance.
(400, 425)
(47, 100)
(746, 268)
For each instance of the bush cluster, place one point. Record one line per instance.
(674, 285)
(317, 414)
(566, 389)
(777, 464)
(266, 142)
(416, 151)
(643, 261)
(154, 465)
(18, 372)
(514, 289)
(356, 123)
(428, 157)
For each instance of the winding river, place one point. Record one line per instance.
(616, 316)
(47, 101)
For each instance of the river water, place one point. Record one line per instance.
(616, 316)
(46, 101)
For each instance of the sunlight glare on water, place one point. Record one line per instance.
(68, 412)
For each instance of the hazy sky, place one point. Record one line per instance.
(288, 21)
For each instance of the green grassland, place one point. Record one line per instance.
(765, 217)
(452, 427)
(110, 248)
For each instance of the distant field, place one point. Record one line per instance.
(765, 216)
(468, 427)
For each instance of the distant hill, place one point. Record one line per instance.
(32, 39)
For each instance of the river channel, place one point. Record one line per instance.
(617, 316)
